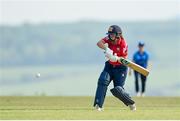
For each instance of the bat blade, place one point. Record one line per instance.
(134, 66)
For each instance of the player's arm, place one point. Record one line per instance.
(149, 65)
(108, 52)
(101, 44)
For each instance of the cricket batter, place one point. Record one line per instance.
(113, 70)
(141, 58)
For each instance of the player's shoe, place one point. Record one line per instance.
(132, 107)
(138, 94)
(143, 94)
(98, 108)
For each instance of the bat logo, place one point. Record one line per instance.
(124, 62)
(134, 66)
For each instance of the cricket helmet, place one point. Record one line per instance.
(141, 44)
(114, 29)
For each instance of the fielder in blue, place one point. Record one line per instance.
(113, 70)
(141, 58)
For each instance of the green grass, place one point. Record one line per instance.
(81, 108)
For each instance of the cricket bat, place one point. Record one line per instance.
(134, 66)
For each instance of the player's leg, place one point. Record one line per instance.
(122, 95)
(143, 80)
(101, 90)
(136, 76)
(103, 82)
(119, 77)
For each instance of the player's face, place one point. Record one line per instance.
(112, 36)
(141, 48)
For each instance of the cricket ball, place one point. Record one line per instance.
(38, 75)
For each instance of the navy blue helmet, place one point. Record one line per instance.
(114, 29)
(141, 44)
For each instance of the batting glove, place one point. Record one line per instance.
(108, 51)
(112, 58)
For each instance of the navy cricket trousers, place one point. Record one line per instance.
(143, 82)
(117, 74)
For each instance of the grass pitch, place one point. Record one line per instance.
(81, 108)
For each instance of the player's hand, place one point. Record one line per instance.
(112, 58)
(108, 51)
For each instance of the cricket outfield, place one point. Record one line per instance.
(46, 107)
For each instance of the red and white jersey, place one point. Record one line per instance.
(120, 48)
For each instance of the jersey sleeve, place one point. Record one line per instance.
(147, 56)
(106, 39)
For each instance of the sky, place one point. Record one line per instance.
(38, 11)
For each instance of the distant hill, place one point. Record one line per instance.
(75, 43)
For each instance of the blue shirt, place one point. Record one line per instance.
(141, 58)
